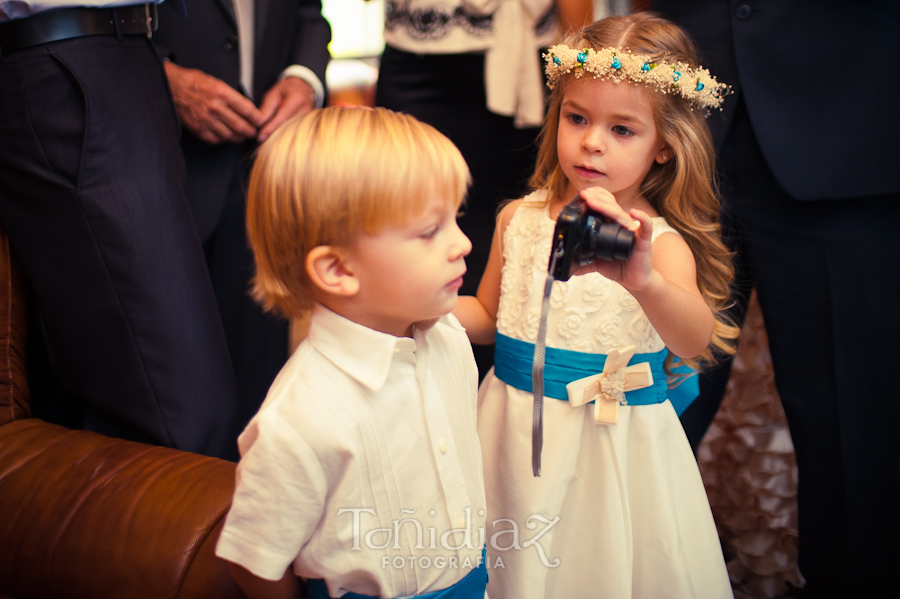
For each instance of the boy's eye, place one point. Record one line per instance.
(430, 232)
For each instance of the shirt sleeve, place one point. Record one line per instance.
(279, 498)
(306, 74)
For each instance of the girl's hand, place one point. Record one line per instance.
(667, 290)
(637, 272)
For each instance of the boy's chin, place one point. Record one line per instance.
(424, 325)
(446, 308)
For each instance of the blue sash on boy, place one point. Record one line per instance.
(472, 586)
(513, 366)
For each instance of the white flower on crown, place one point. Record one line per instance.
(695, 85)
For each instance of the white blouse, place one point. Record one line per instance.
(509, 32)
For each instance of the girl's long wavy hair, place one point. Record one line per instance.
(683, 190)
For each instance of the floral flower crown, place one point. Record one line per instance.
(696, 86)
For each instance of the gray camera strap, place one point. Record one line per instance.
(537, 368)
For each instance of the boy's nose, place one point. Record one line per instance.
(461, 246)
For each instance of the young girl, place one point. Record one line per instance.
(619, 509)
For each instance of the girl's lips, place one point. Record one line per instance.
(588, 173)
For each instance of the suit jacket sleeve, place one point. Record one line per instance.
(310, 47)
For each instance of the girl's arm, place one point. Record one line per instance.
(662, 277)
(671, 299)
(478, 314)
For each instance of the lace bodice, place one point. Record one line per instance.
(588, 313)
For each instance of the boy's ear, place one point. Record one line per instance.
(664, 155)
(330, 272)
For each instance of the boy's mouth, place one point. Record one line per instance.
(455, 283)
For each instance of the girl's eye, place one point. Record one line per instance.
(622, 131)
(576, 119)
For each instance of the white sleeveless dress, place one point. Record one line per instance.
(619, 510)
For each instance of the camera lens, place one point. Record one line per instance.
(582, 236)
(606, 240)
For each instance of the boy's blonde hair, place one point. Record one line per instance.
(330, 175)
(683, 190)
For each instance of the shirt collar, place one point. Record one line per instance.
(362, 353)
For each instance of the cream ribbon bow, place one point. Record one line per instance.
(512, 69)
(607, 389)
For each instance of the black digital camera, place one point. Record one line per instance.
(584, 236)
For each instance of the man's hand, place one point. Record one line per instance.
(210, 108)
(287, 98)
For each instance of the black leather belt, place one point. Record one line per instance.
(66, 23)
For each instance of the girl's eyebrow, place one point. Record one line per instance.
(620, 116)
(624, 116)
(572, 104)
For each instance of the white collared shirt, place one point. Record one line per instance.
(361, 462)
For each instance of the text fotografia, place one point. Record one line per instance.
(510, 537)
(452, 562)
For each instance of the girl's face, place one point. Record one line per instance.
(607, 138)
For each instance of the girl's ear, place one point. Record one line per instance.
(664, 155)
(330, 272)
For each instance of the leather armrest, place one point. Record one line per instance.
(84, 515)
(14, 393)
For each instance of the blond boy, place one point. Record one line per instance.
(361, 471)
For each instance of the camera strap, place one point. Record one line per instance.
(537, 367)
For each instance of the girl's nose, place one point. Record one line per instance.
(594, 140)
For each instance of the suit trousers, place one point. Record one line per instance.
(93, 200)
(257, 340)
(826, 273)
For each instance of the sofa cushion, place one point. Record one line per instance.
(90, 516)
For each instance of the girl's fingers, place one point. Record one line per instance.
(604, 202)
(639, 217)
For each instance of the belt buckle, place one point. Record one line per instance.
(151, 19)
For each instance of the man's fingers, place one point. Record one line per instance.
(210, 108)
(287, 98)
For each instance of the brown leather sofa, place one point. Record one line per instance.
(87, 516)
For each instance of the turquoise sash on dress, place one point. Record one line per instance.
(470, 587)
(513, 359)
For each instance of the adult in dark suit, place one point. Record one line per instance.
(808, 146)
(92, 196)
(216, 102)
